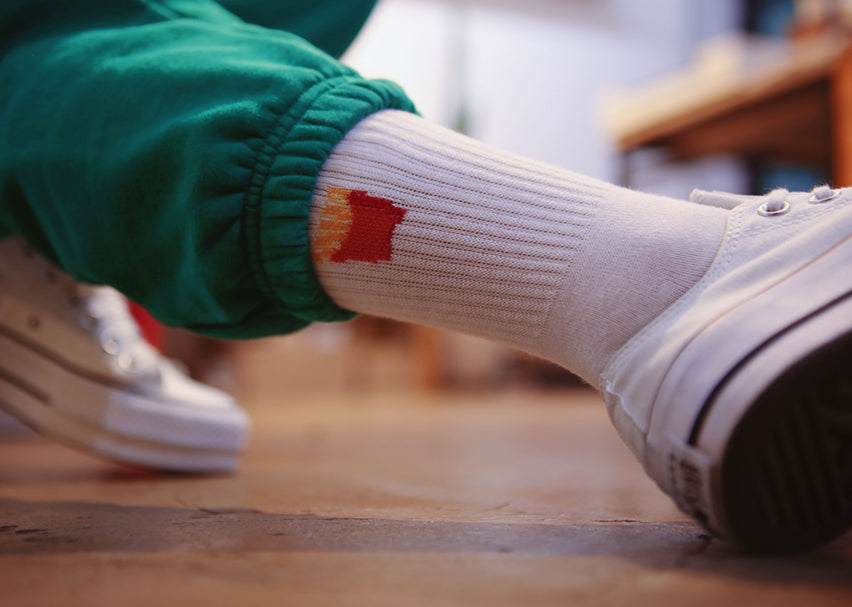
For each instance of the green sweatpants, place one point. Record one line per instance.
(169, 148)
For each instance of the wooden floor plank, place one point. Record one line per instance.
(517, 498)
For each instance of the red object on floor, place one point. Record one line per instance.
(151, 329)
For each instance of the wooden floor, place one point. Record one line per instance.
(516, 499)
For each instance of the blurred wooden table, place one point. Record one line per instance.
(515, 499)
(798, 110)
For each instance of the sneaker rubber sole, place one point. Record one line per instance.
(112, 420)
(765, 459)
(786, 476)
(783, 480)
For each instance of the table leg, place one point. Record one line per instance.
(841, 100)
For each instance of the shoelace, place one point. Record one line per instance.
(776, 203)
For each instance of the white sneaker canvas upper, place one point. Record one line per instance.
(75, 367)
(770, 271)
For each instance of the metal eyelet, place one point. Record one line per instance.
(770, 209)
(126, 362)
(823, 194)
(109, 343)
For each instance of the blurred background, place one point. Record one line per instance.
(660, 95)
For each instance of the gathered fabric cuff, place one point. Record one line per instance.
(278, 200)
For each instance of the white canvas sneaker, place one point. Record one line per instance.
(738, 398)
(74, 367)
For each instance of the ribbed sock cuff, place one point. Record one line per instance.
(414, 222)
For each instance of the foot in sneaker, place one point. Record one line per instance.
(719, 333)
(738, 398)
(74, 367)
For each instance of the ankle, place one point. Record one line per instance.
(641, 254)
(417, 223)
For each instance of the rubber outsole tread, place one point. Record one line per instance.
(786, 476)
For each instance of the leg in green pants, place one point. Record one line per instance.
(170, 149)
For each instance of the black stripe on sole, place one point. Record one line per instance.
(786, 475)
(704, 412)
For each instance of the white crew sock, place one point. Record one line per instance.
(414, 222)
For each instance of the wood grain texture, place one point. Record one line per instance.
(489, 499)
